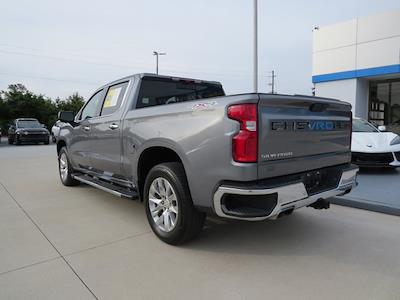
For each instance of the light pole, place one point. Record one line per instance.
(255, 48)
(156, 53)
(272, 84)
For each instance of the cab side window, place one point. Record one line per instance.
(91, 108)
(114, 98)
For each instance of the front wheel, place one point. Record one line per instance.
(169, 206)
(65, 169)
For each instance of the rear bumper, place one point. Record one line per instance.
(287, 197)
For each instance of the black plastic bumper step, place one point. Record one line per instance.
(107, 186)
(247, 212)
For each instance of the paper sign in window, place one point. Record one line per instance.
(112, 97)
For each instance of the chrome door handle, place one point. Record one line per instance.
(113, 126)
(86, 128)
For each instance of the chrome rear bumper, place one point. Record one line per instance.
(291, 196)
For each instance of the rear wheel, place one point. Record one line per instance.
(65, 169)
(169, 206)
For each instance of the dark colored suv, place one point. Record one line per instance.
(27, 130)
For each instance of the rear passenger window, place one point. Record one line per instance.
(159, 91)
(114, 98)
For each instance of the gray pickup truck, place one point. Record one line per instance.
(186, 150)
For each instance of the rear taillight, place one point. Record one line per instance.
(244, 144)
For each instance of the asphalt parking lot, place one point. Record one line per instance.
(82, 243)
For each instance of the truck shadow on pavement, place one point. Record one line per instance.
(284, 236)
(303, 234)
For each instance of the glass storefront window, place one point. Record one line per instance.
(395, 103)
(384, 104)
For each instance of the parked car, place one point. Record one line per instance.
(372, 147)
(186, 150)
(55, 131)
(394, 127)
(27, 130)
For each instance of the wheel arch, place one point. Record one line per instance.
(151, 157)
(60, 145)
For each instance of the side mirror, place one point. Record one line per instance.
(66, 116)
(382, 128)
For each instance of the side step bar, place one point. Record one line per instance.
(106, 186)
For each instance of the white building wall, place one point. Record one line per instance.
(344, 90)
(383, 52)
(346, 55)
(335, 60)
(355, 91)
(365, 42)
(360, 109)
(334, 36)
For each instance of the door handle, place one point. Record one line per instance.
(86, 128)
(113, 126)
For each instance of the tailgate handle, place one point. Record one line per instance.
(318, 107)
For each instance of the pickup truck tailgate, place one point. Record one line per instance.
(299, 133)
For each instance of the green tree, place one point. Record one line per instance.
(71, 103)
(22, 103)
(18, 102)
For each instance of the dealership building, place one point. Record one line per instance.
(358, 61)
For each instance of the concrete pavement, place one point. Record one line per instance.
(378, 190)
(82, 243)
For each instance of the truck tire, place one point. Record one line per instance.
(169, 206)
(65, 169)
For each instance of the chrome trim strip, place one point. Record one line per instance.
(289, 196)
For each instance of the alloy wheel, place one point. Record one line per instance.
(63, 166)
(163, 204)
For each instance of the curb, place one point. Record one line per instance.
(365, 204)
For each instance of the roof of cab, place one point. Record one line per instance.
(142, 75)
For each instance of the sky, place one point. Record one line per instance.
(57, 48)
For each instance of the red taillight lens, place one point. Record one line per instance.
(245, 143)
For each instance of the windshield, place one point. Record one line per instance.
(28, 124)
(363, 126)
